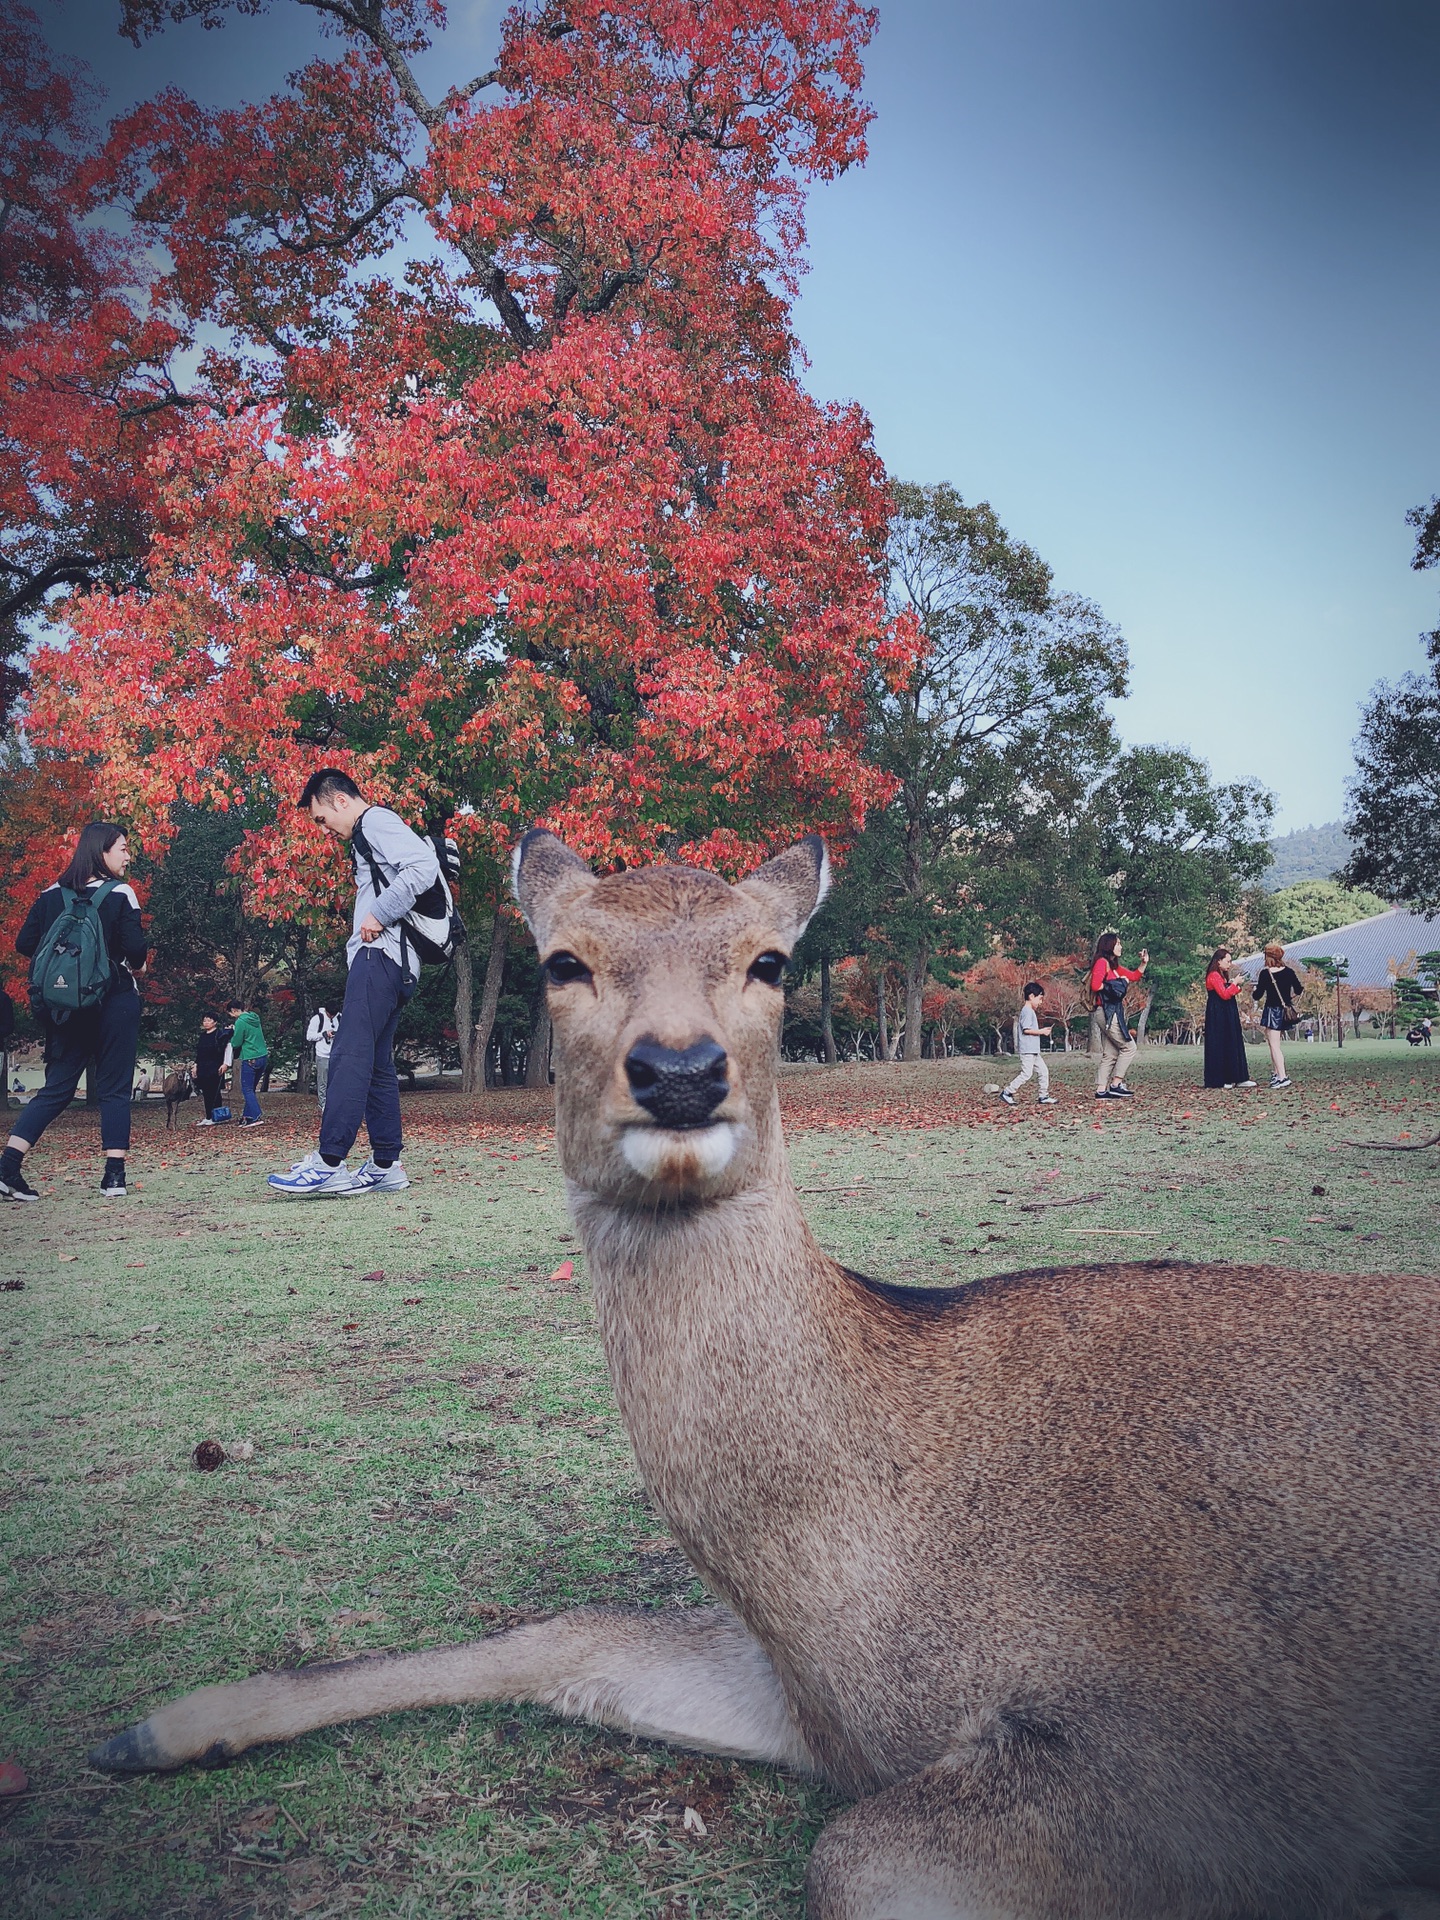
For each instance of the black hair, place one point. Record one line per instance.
(1220, 953)
(328, 783)
(1033, 986)
(87, 863)
(1105, 946)
(234, 1006)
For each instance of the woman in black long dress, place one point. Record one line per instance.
(1225, 1062)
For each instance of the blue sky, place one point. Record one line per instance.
(1159, 281)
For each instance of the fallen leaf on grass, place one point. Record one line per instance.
(13, 1778)
(13, 1286)
(67, 1256)
(134, 1263)
(349, 1326)
(352, 1617)
(694, 1824)
(378, 1274)
(414, 1300)
(565, 1271)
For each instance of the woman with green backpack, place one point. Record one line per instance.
(84, 941)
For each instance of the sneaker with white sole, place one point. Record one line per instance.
(1279, 1080)
(1047, 1100)
(311, 1179)
(373, 1179)
(1008, 1097)
(14, 1186)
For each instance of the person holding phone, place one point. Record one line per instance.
(1225, 1064)
(1109, 982)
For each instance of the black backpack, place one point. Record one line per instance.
(433, 927)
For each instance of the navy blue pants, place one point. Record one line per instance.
(362, 1084)
(110, 1034)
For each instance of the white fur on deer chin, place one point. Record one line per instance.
(697, 1153)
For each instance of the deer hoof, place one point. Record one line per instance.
(136, 1750)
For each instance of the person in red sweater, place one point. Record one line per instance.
(1225, 1062)
(1108, 984)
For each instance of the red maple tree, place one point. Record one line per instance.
(507, 494)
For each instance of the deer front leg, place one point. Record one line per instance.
(695, 1678)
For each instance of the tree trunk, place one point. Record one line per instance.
(916, 968)
(490, 992)
(465, 1016)
(882, 1051)
(1096, 1043)
(827, 1024)
(537, 1067)
(1143, 1022)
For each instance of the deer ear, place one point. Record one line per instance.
(792, 885)
(538, 866)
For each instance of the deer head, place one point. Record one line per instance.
(664, 986)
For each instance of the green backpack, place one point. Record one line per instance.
(72, 968)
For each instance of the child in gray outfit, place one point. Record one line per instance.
(1031, 1058)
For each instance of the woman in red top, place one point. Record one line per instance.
(1108, 981)
(1225, 1062)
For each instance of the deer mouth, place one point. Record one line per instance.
(680, 1156)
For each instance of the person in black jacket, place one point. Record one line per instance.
(210, 1064)
(106, 1035)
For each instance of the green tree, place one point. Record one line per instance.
(1393, 811)
(999, 730)
(1180, 851)
(1315, 906)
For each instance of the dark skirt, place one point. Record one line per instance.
(1225, 1062)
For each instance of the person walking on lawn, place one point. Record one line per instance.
(102, 1031)
(394, 866)
(1118, 1046)
(1028, 1048)
(251, 1054)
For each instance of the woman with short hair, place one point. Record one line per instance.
(1225, 1062)
(1278, 985)
(107, 1033)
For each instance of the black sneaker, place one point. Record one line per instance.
(15, 1186)
(1119, 1091)
(113, 1183)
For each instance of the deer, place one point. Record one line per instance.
(177, 1086)
(1099, 1591)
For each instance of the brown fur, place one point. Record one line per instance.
(177, 1086)
(1109, 1592)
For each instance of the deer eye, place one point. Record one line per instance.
(769, 968)
(561, 968)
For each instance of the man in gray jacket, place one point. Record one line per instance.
(396, 869)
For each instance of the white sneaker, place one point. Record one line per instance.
(373, 1179)
(311, 1179)
(1279, 1080)
(1241, 1085)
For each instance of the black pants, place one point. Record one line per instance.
(362, 1082)
(210, 1094)
(110, 1033)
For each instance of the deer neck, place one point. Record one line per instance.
(724, 1343)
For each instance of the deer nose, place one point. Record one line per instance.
(677, 1088)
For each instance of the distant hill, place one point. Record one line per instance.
(1310, 853)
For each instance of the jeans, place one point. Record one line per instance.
(109, 1034)
(361, 1082)
(250, 1072)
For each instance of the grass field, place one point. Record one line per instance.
(436, 1452)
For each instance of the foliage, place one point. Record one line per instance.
(1307, 853)
(990, 742)
(1394, 799)
(545, 528)
(86, 389)
(1315, 906)
(1178, 848)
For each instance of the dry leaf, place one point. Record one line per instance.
(694, 1824)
